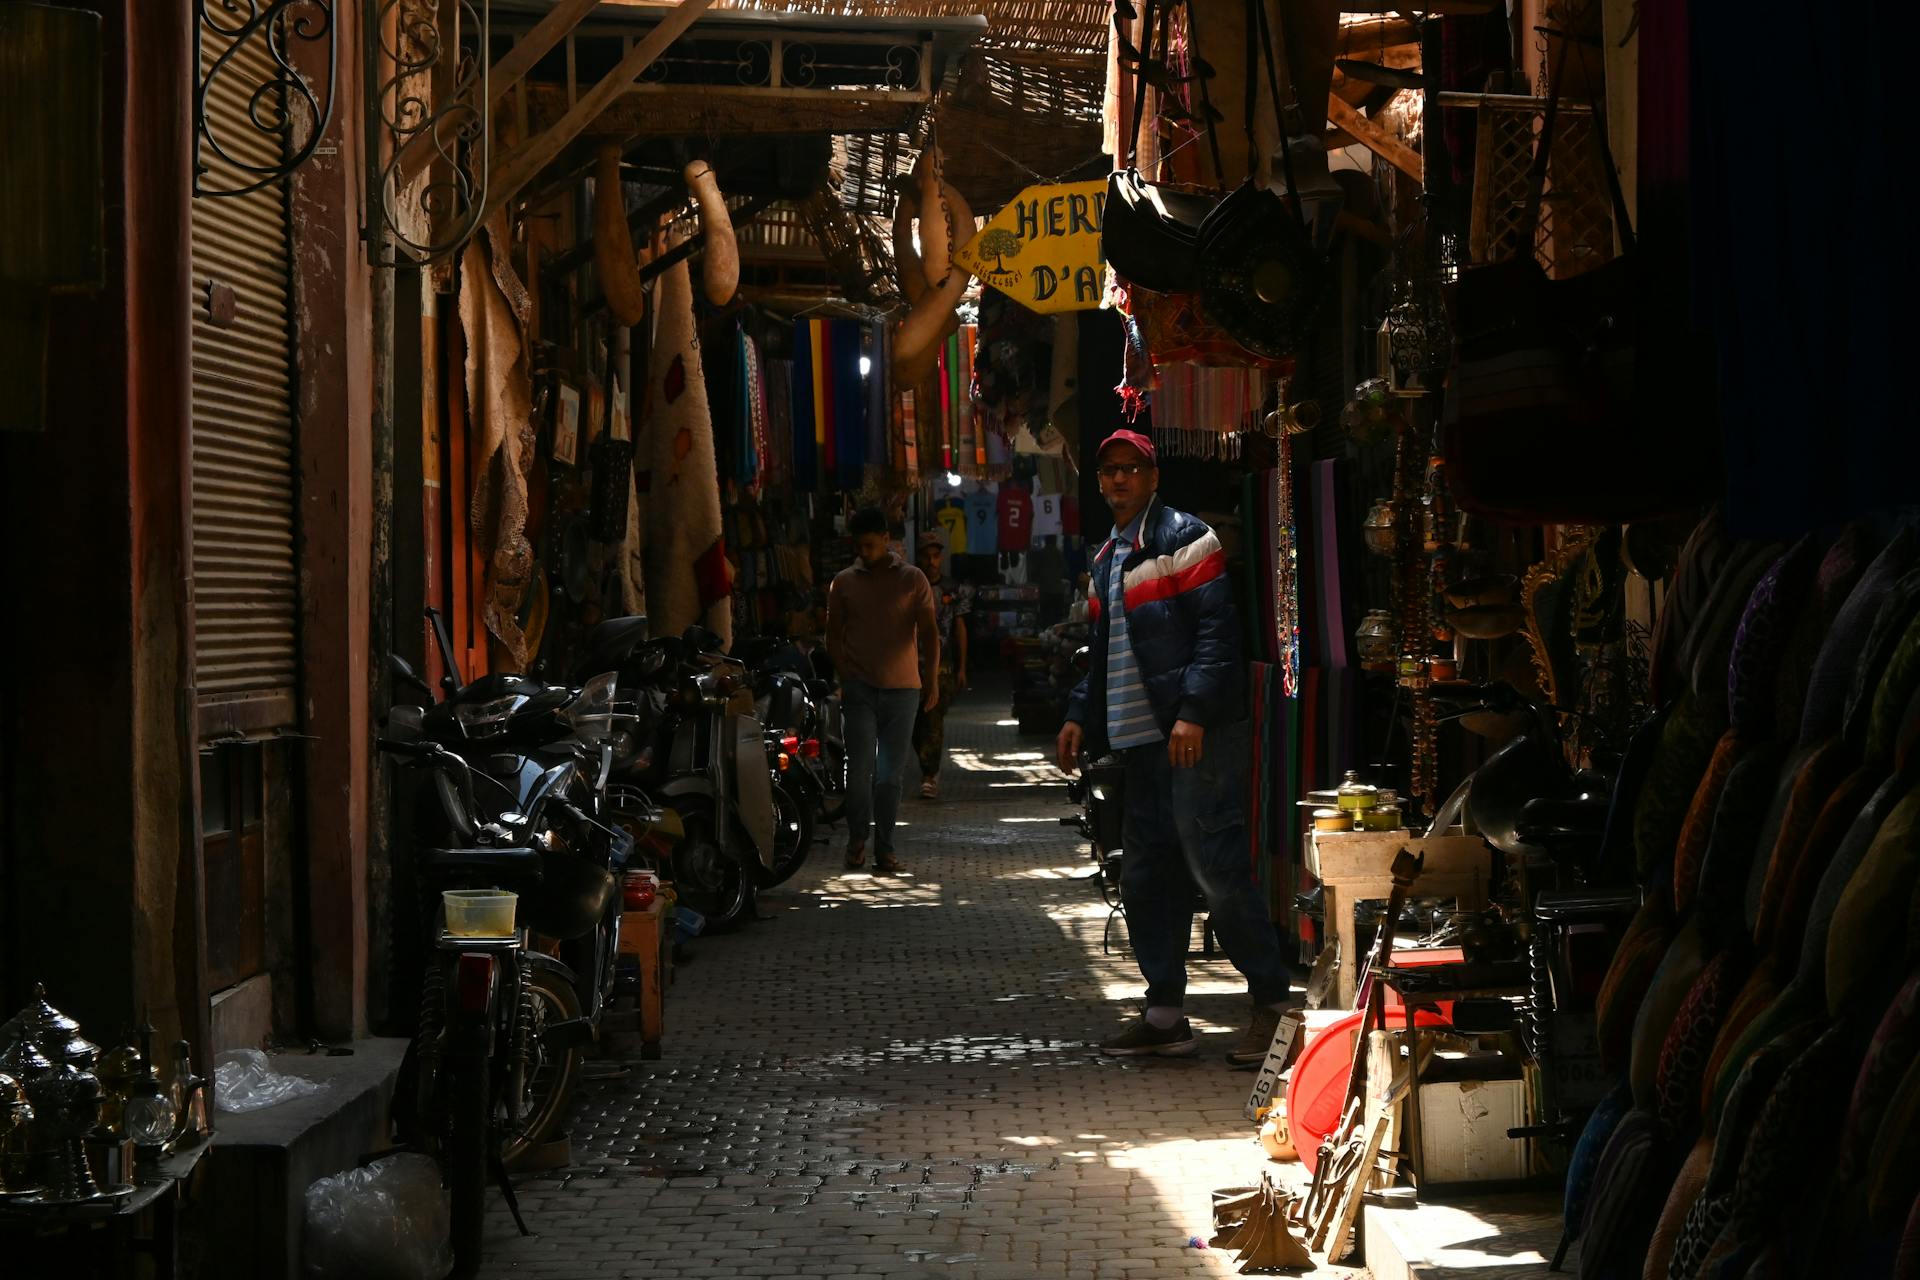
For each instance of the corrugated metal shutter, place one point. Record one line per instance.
(245, 597)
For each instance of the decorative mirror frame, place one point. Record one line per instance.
(1557, 570)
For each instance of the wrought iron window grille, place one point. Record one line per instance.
(429, 127)
(228, 31)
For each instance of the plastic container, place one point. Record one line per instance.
(1318, 1088)
(479, 913)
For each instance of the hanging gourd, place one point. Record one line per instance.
(931, 320)
(720, 255)
(936, 226)
(906, 258)
(613, 253)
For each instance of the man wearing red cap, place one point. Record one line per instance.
(1165, 691)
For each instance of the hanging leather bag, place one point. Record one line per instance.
(1149, 232)
(1260, 277)
(1541, 421)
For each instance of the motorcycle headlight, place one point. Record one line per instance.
(486, 719)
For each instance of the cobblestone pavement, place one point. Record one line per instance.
(897, 1078)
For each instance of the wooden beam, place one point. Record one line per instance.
(519, 167)
(1370, 35)
(1373, 137)
(502, 76)
(710, 111)
(547, 33)
(1431, 8)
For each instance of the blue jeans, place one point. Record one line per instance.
(879, 744)
(1187, 829)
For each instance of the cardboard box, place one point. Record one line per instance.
(1463, 1131)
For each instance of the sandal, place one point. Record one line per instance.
(885, 865)
(856, 856)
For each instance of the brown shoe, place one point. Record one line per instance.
(886, 865)
(1251, 1049)
(856, 856)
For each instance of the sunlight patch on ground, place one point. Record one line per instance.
(1007, 724)
(1076, 871)
(1054, 820)
(1449, 1237)
(1031, 768)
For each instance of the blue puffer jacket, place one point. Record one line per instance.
(1181, 621)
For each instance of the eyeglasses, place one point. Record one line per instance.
(1114, 470)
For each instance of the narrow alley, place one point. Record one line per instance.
(898, 1077)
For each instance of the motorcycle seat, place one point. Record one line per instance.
(504, 862)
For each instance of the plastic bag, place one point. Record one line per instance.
(388, 1221)
(244, 1080)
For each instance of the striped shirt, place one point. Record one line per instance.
(1130, 721)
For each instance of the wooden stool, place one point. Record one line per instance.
(643, 934)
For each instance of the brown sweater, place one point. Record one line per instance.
(880, 625)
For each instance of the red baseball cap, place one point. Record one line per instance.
(1134, 438)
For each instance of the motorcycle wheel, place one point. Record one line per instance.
(468, 1104)
(792, 833)
(833, 805)
(707, 880)
(534, 1117)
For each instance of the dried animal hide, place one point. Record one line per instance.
(495, 311)
(688, 580)
(633, 552)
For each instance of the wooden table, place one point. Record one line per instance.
(1355, 865)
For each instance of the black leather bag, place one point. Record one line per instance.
(1149, 233)
(1260, 276)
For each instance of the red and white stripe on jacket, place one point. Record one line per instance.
(1167, 576)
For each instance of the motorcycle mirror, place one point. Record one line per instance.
(404, 723)
(403, 672)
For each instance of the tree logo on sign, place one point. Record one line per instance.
(1001, 244)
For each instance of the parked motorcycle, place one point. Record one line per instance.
(794, 802)
(697, 750)
(517, 768)
(802, 706)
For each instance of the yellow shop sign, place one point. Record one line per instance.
(1043, 250)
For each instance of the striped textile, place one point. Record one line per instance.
(1130, 719)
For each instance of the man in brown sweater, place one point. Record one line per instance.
(885, 643)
